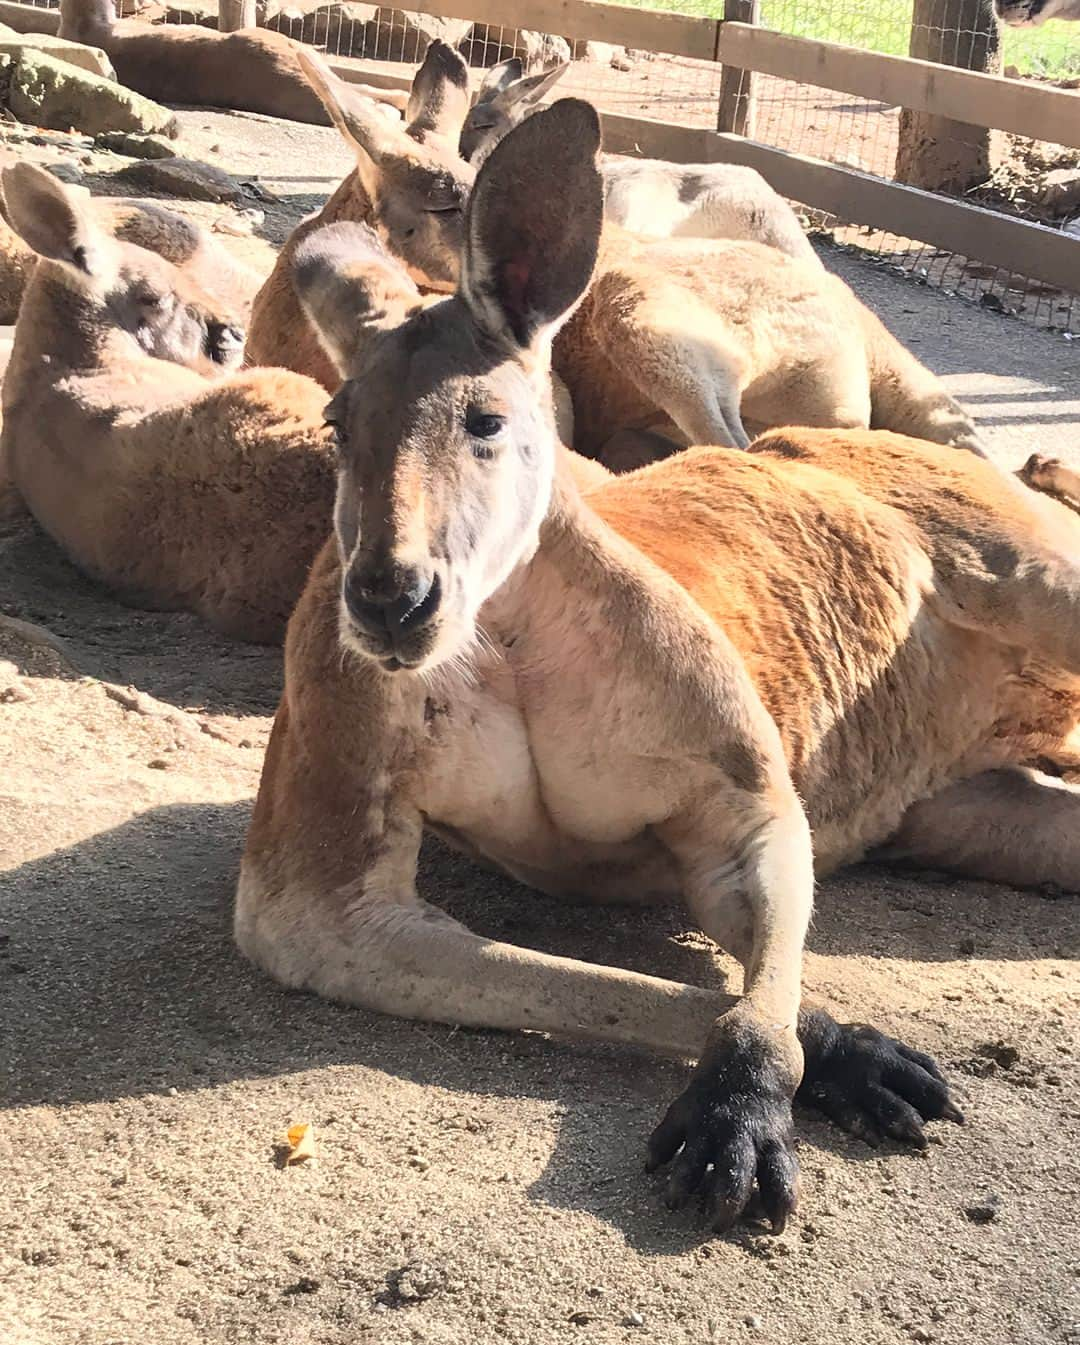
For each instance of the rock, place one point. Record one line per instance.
(984, 1211)
(137, 146)
(75, 53)
(202, 13)
(488, 44)
(343, 28)
(633, 1319)
(182, 177)
(1060, 189)
(754, 1322)
(51, 93)
(401, 35)
(600, 53)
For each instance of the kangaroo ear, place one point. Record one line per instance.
(54, 221)
(439, 98)
(531, 90)
(532, 225)
(358, 118)
(500, 77)
(351, 290)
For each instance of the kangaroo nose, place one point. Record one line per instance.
(226, 341)
(392, 605)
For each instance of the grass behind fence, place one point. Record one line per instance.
(885, 25)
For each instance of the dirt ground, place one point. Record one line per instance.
(470, 1186)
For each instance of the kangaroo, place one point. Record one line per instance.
(407, 177)
(1034, 13)
(252, 70)
(681, 336)
(156, 468)
(700, 681)
(150, 226)
(648, 197)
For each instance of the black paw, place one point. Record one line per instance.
(870, 1084)
(730, 1129)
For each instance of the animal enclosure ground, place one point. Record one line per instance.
(470, 1186)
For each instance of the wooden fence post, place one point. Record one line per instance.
(735, 112)
(234, 14)
(937, 153)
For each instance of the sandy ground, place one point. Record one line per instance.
(471, 1186)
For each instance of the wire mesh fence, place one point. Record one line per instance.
(1001, 172)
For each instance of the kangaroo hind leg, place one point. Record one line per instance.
(678, 353)
(1015, 826)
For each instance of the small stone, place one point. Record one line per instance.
(984, 1211)
(633, 1319)
(420, 1164)
(754, 1322)
(172, 1092)
(304, 1285)
(157, 765)
(137, 146)
(580, 1318)
(182, 177)
(14, 693)
(920, 1333)
(619, 62)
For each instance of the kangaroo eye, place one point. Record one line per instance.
(483, 426)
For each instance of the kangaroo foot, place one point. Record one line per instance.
(870, 1084)
(732, 1128)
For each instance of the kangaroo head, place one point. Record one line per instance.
(412, 174)
(444, 423)
(126, 289)
(504, 100)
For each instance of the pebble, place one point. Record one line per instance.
(984, 1211)
(754, 1322)
(920, 1333)
(633, 1319)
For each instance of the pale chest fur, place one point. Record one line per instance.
(553, 763)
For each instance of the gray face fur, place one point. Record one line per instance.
(445, 421)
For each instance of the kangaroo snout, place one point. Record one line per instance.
(224, 342)
(392, 606)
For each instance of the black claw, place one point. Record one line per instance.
(951, 1112)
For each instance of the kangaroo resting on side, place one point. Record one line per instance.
(150, 226)
(691, 333)
(697, 681)
(252, 70)
(169, 483)
(648, 197)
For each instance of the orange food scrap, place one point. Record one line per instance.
(301, 1143)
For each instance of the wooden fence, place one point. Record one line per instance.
(1022, 107)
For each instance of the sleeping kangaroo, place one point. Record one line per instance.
(700, 681)
(149, 225)
(693, 334)
(649, 197)
(176, 486)
(252, 70)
